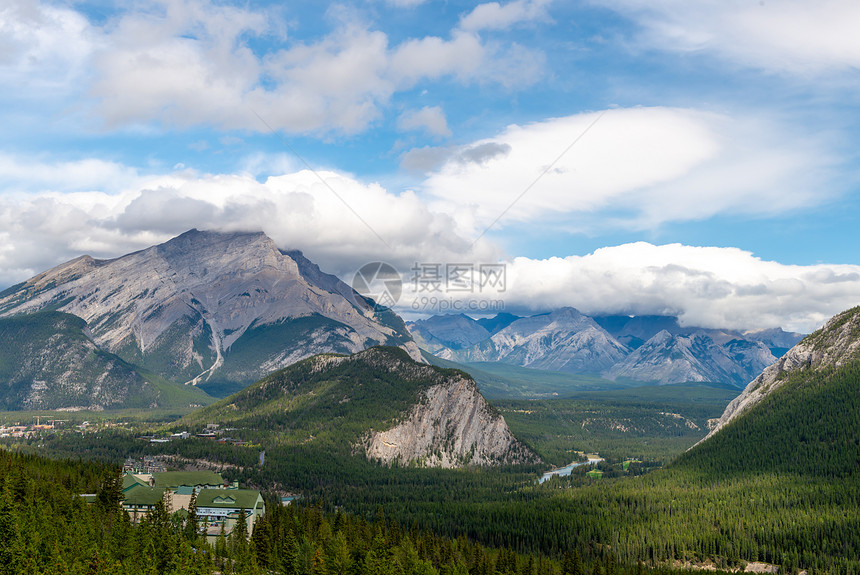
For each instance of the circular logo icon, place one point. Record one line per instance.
(380, 282)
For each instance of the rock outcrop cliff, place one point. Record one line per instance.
(377, 403)
(452, 426)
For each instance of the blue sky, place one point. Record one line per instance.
(620, 157)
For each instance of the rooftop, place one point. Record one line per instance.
(230, 499)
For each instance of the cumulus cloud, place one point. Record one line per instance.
(634, 168)
(429, 118)
(705, 286)
(24, 174)
(794, 36)
(339, 222)
(199, 62)
(431, 158)
(495, 16)
(42, 47)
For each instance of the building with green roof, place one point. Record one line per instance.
(217, 504)
(141, 500)
(224, 507)
(200, 479)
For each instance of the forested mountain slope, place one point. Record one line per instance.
(47, 361)
(379, 402)
(820, 361)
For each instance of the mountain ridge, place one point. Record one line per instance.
(639, 348)
(835, 344)
(215, 309)
(377, 402)
(48, 361)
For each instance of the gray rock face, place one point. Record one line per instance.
(452, 426)
(669, 358)
(564, 340)
(181, 307)
(775, 338)
(835, 344)
(451, 331)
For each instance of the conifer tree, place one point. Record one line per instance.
(191, 519)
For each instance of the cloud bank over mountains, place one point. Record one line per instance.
(345, 223)
(535, 126)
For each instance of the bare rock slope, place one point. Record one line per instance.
(209, 306)
(452, 426)
(699, 356)
(564, 340)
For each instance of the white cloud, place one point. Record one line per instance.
(42, 47)
(338, 223)
(433, 57)
(429, 118)
(191, 62)
(794, 36)
(636, 167)
(705, 286)
(494, 16)
(24, 174)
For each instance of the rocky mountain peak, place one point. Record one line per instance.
(190, 308)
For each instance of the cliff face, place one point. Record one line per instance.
(452, 426)
(377, 403)
(208, 306)
(835, 344)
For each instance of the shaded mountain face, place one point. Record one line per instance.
(48, 362)
(564, 340)
(378, 402)
(211, 309)
(498, 322)
(799, 416)
(636, 330)
(778, 340)
(451, 331)
(669, 358)
(643, 348)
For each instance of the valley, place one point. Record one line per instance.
(328, 400)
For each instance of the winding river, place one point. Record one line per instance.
(562, 471)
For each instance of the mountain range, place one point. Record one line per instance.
(640, 348)
(215, 310)
(218, 311)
